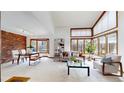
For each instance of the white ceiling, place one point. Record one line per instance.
(26, 23)
(44, 22)
(75, 18)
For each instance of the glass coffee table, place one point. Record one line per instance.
(78, 65)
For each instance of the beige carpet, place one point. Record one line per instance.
(48, 71)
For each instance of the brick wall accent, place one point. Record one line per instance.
(11, 41)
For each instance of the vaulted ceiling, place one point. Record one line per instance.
(44, 22)
(75, 18)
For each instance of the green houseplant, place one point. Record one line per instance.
(90, 49)
(73, 59)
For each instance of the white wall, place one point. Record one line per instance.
(63, 32)
(60, 32)
(27, 23)
(121, 35)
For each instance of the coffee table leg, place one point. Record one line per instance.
(88, 71)
(68, 70)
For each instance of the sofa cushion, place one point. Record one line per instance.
(116, 58)
(106, 59)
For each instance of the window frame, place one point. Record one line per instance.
(41, 39)
(84, 43)
(80, 38)
(99, 20)
(106, 41)
(83, 31)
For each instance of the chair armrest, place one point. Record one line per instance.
(120, 64)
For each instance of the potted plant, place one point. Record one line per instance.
(90, 49)
(73, 59)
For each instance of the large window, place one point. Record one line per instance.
(40, 45)
(79, 37)
(106, 44)
(105, 33)
(79, 44)
(107, 22)
(81, 32)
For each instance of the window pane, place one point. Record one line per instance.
(81, 32)
(33, 43)
(96, 44)
(80, 45)
(87, 40)
(112, 19)
(108, 21)
(102, 48)
(112, 43)
(74, 45)
(42, 46)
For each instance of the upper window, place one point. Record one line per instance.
(107, 22)
(81, 32)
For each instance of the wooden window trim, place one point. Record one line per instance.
(106, 40)
(100, 19)
(41, 39)
(83, 39)
(80, 37)
(80, 29)
(98, 35)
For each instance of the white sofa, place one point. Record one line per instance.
(109, 67)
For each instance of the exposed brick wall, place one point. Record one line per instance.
(9, 42)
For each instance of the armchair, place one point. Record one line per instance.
(109, 68)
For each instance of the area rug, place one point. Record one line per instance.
(18, 79)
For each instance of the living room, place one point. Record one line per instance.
(37, 31)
